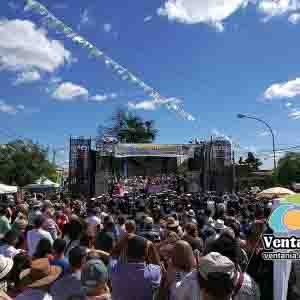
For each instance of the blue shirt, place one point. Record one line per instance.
(134, 281)
(63, 263)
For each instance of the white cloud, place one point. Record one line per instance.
(294, 18)
(294, 114)
(113, 95)
(217, 134)
(148, 19)
(211, 12)
(55, 80)
(21, 107)
(152, 104)
(273, 8)
(99, 98)
(263, 133)
(266, 133)
(23, 47)
(104, 97)
(288, 104)
(68, 91)
(10, 109)
(283, 90)
(107, 27)
(27, 77)
(144, 105)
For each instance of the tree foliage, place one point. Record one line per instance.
(23, 162)
(288, 170)
(251, 161)
(127, 127)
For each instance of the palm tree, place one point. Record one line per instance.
(127, 127)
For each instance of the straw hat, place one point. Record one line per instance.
(172, 223)
(40, 274)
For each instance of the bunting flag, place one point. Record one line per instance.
(50, 21)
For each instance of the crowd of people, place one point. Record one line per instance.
(162, 246)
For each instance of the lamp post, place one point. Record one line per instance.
(242, 116)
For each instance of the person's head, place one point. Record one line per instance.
(191, 229)
(136, 248)
(108, 223)
(172, 224)
(130, 226)
(39, 221)
(121, 220)
(11, 238)
(216, 277)
(77, 257)
(172, 237)
(182, 256)
(43, 249)
(228, 246)
(94, 277)
(74, 229)
(59, 247)
(49, 212)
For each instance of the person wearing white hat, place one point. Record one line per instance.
(219, 225)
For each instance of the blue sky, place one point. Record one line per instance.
(219, 58)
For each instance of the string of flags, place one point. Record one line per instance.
(50, 21)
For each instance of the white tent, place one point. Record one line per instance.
(7, 189)
(46, 181)
(43, 183)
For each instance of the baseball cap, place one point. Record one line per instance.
(93, 273)
(215, 263)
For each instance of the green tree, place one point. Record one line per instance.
(253, 162)
(23, 162)
(288, 169)
(127, 127)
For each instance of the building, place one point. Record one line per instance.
(82, 165)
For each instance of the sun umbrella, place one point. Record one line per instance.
(277, 192)
(295, 199)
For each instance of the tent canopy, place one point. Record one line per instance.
(275, 192)
(46, 181)
(7, 189)
(42, 182)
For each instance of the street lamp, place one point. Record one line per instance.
(242, 116)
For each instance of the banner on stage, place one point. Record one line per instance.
(143, 150)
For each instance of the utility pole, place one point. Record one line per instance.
(233, 172)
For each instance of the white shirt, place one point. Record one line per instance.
(33, 238)
(189, 289)
(9, 251)
(93, 220)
